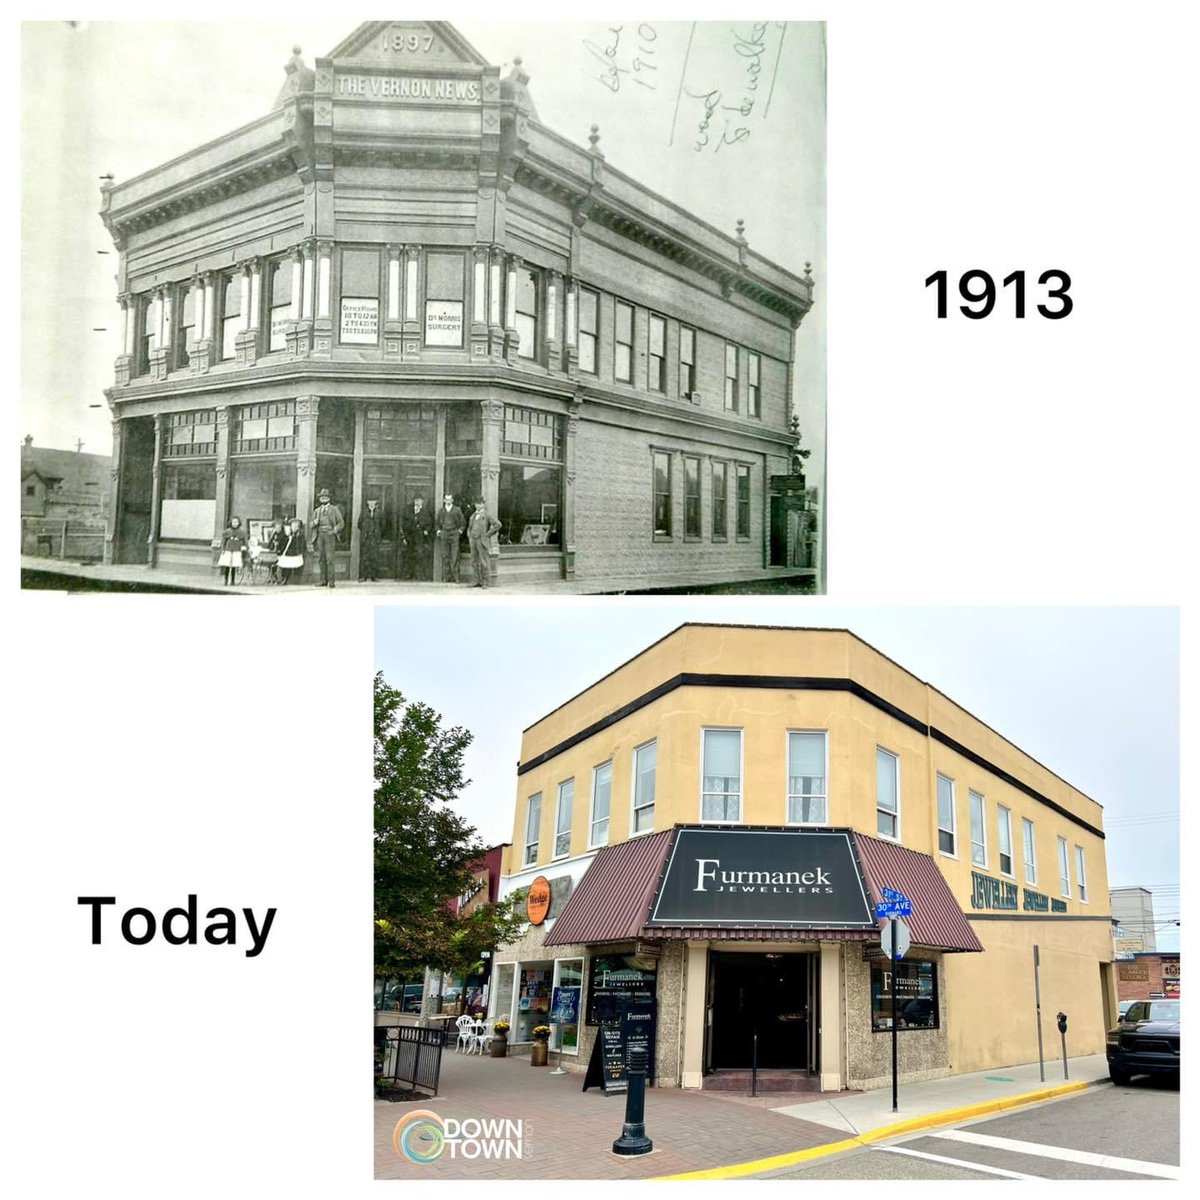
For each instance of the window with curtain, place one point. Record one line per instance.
(691, 497)
(807, 801)
(722, 792)
(887, 793)
(978, 830)
(946, 827)
(601, 805)
(589, 304)
(533, 820)
(644, 762)
(623, 351)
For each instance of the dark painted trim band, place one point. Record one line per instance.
(799, 683)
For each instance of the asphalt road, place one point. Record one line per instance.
(1135, 1128)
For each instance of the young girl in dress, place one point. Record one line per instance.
(291, 561)
(233, 549)
(276, 545)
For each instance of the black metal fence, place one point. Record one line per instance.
(410, 1056)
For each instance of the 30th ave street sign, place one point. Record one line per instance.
(893, 904)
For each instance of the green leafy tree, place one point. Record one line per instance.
(424, 849)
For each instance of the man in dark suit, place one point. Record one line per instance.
(324, 531)
(417, 531)
(449, 524)
(370, 534)
(480, 529)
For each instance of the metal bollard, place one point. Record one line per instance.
(633, 1139)
(1062, 1028)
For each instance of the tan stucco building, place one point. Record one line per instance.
(810, 746)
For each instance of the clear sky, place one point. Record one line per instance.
(1091, 693)
(122, 98)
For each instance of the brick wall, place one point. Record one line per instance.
(1150, 965)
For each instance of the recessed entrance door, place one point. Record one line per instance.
(767, 995)
(395, 485)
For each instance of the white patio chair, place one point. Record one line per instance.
(466, 1033)
(483, 1035)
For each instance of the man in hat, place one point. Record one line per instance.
(324, 530)
(370, 534)
(480, 528)
(417, 530)
(449, 524)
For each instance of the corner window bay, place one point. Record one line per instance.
(341, 294)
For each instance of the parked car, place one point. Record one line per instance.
(1146, 1042)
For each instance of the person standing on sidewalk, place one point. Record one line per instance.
(449, 524)
(480, 529)
(370, 534)
(324, 531)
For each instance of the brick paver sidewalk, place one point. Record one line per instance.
(568, 1133)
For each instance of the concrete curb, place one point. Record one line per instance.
(884, 1132)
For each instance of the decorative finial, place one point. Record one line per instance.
(594, 136)
(741, 230)
(808, 270)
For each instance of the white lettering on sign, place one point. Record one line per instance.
(360, 322)
(406, 87)
(443, 322)
(708, 871)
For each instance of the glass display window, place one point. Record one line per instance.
(916, 995)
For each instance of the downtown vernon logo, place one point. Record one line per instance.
(423, 1137)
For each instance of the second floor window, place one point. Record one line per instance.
(147, 334)
(662, 494)
(658, 354)
(1064, 875)
(1081, 874)
(807, 801)
(533, 821)
(443, 300)
(753, 389)
(1004, 829)
(978, 830)
(887, 793)
(644, 764)
(731, 377)
(279, 303)
(360, 298)
(623, 351)
(231, 313)
(722, 774)
(687, 363)
(185, 325)
(1027, 844)
(562, 824)
(691, 497)
(946, 827)
(588, 328)
(527, 313)
(743, 501)
(720, 501)
(601, 805)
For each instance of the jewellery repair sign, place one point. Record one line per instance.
(755, 878)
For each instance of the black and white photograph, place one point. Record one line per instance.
(527, 306)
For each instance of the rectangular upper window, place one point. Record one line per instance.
(533, 821)
(359, 324)
(978, 830)
(731, 377)
(1081, 874)
(601, 805)
(190, 434)
(807, 801)
(589, 304)
(1027, 844)
(623, 349)
(279, 302)
(644, 763)
(887, 793)
(562, 821)
(657, 371)
(691, 497)
(687, 363)
(721, 795)
(1064, 875)
(753, 390)
(528, 284)
(662, 494)
(946, 816)
(231, 312)
(743, 502)
(720, 501)
(444, 283)
(1004, 829)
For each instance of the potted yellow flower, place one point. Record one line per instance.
(499, 1047)
(540, 1054)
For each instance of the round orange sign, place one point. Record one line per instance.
(537, 903)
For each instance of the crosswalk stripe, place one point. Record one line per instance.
(1134, 1165)
(955, 1162)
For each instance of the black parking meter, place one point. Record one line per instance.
(1062, 1029)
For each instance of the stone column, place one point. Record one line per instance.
(224, 432)
(114, 515)
(297, 342)
(571, 336)
(155, 492)
(203, 355)
(197, 293)
(411, 347)
(695, 997)
(495, 297)
(492, 422)
(246, 341)
(322, 337)
(160, 351)
(306, 458)
(566, 530)
(393, 324)
(830, 1033)
(124, 363)
(479, 304)
(511, 337)
(553, 291)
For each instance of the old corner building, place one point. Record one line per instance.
(715, 821)
(399, 283)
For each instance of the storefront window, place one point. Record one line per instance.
(335, 474)
(261, 492)
(189, 501)
(568, 974)
(335, 427)
(916, 995)
(462, 482)
(529, 433)
(443, 299)
(464, 430)
(533, 999)
(265, 427)
(360, 298)
(503, 991)
(401, 429)
(190, 434)
(529, 499)
(624, 976)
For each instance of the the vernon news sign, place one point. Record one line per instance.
(734, 878)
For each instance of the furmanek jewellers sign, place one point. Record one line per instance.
(739, 878)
